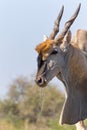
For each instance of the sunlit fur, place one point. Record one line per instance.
(44, 46)
(80, 40)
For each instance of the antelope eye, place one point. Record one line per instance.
(54, 51)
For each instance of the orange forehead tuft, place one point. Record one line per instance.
(44, 46)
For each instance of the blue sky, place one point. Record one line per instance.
(22, 25)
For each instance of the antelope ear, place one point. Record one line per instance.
(66, 41)
(45, 37)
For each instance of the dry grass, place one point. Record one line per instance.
(6, 126)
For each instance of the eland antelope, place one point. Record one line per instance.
(67, 60)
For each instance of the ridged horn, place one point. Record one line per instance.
(56, 24)
(68, 24)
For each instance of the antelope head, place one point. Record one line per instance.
(52, 52)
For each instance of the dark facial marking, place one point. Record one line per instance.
(39, 61)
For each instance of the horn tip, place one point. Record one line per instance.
(79, 5)
(62, 7)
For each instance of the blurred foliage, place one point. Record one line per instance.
(28, 107)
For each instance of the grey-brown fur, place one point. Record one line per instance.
(66, 60)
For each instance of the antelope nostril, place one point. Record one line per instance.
(40, 80)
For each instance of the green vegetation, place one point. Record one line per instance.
(28, 107)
